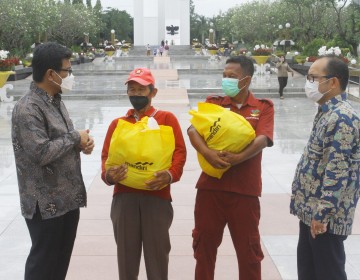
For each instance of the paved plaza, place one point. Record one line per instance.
(98, 98)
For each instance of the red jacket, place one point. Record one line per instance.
(179, 156)
(243, 178)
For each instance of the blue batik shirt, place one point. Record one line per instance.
(326, 183)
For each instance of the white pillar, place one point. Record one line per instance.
(152, 16)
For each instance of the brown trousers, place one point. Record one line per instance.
(142, 222)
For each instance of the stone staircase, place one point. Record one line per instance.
(176, 50)
(104, 78)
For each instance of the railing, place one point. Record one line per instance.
(354, 85)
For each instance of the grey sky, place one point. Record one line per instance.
(202, 7)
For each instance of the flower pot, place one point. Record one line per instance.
(109, 53)
(300, 60)
(4, 75)
(260, 59)
(212, 52)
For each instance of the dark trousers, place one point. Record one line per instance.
(213, 211)
(320, 258)
(52, 245)
(142, 222)
(282, 84)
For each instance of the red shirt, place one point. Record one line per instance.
(179, 156)
(243, 178)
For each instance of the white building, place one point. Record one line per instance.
(151, 17)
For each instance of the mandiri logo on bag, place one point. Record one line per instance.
(214, 129)
(139, 165)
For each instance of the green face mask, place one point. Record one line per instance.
(230, 86)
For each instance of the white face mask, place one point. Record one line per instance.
(66, 83)
(312, 90)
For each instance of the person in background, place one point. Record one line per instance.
(148, 50)
(142, 218)
(166, 50)
(282, 73)
(47, 156)
(161, 50)
(233, 200)
(326, 189)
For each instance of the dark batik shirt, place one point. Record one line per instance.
(47, 156)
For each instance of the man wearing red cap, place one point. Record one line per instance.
(142, 218)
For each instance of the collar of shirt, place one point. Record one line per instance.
(249, 101)
(55, 100)
(333, 102)
(149, 113)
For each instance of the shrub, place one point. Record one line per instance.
(312, 48)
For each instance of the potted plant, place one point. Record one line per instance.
(333, 51)
(194, 41)
(7, 65)
(197, 48)
(261, 54)
(300, 59)
(109, 50)
(212, 49)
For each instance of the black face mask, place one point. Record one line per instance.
(139, 102)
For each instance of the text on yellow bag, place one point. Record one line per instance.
(222, 130)
(144, 149)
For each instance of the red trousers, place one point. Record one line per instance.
(213, 211)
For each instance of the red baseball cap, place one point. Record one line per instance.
(142, 76)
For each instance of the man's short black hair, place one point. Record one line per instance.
(48, 56)
(335, 67)
(247, 65)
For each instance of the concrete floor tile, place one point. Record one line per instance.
(95, 245)
(12, 267)
(183, 212)
(286, 266)
(9, 213)
(181, 227)
(280, 245)
(15, 245)
(93, 268)
(16, 228)
(275, 216)
(89, 227)
(95, 212)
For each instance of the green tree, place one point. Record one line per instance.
(120, 21)
(98, 6)
(202, 26)
(312, 48)
(310, 19)
(77, 2)
(73, 23)
(347, 21)
(88, 4)
(24, 22)
(250, 22)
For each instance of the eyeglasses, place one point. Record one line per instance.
(312, 78)
(67, 70)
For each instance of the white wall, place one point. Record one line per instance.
(152, 16)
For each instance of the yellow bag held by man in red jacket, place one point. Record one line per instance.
(222, 130)
(145, 147)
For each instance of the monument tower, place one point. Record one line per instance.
(157, 20)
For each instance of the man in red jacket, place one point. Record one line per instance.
(142, 218)
(233, 199)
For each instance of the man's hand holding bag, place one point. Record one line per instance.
(222, 130)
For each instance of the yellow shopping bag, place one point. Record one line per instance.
(222, 130)
(144, 148)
